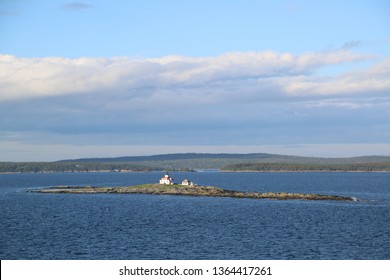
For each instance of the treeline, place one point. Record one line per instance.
(37, 167)
(291, 167)
(217, 161)
(188, 165)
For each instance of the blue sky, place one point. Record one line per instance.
(115, 78)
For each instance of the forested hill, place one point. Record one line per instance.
(217, 161)
(234, 162)
(291, 167)
(181, 156)
(252, 157)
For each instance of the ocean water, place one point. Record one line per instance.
(110, 226)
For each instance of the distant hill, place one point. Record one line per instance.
(218, 160)
(181, 156)
(291, 167)
(199, 161)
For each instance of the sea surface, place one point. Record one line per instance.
(113, 226)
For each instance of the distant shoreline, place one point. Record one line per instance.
(214, 170)
(305, 171)
(193, 162)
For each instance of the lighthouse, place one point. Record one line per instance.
(166, 180)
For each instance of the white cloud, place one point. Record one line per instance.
(367, 81)
(244, 73)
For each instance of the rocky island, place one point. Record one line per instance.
(189, 190)
(166, 186)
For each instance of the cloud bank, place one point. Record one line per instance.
(248, 99)
(263, 72)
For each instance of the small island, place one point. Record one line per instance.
(187, 188)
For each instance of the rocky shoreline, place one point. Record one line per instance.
(175, 189)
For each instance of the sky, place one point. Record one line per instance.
(121, 78)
